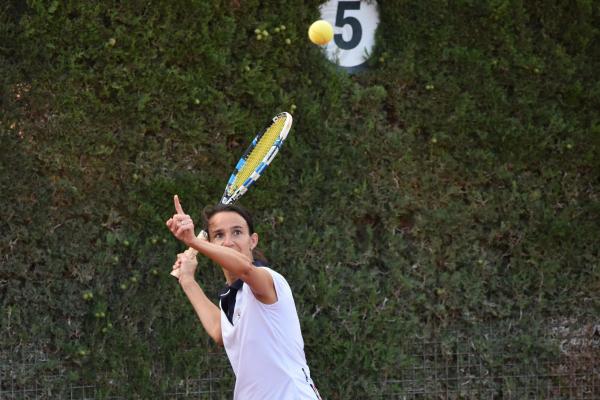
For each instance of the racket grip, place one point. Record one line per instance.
(202, 235)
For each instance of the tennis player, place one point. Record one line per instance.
(257, 321)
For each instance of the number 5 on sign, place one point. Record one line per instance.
(354, 25)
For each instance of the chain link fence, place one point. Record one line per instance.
(458, 370)
(32, 375)
(463, 367)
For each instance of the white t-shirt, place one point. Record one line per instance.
(265, 347)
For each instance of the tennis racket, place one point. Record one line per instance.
(255, 161)
(257, 157)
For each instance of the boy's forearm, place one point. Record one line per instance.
(234, 262)
(207, 311)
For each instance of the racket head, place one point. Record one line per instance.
(257, 157)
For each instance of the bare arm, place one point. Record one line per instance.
(208, 313)
(237, 264)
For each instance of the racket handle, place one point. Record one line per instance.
(202, 235)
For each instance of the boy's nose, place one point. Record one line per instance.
(227, 241)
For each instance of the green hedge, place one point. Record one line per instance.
(454, 184)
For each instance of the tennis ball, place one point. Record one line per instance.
(320, 32)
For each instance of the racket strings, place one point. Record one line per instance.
(258, 153)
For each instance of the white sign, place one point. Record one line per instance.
(354, 25)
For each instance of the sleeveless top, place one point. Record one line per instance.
(265, 347)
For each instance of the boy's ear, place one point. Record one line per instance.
(254, 240)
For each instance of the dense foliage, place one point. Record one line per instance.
(453, 185)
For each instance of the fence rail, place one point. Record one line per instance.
(462, 367)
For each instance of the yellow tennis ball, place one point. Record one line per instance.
(320, 32)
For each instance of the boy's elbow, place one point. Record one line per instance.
(218, 341)
(246, 271)
(217, 337)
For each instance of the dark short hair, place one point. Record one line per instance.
(210, 211)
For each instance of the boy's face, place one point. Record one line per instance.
(229, 229)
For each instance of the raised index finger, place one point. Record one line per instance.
(177, 205)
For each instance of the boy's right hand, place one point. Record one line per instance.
(186, 262)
